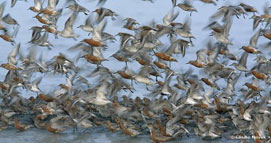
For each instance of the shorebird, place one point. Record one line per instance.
(68, 31)
(178, 47)
(128, 129)
(254, 85)
(36, 33)
(256, 21)
(122, 56)
(126, 74)
(104, 12)
(242, 63)
(211, 81)
(209, 2)
(13, 54)
(252, 47)
(56, 125)
(266, 16)
(9, 20)
(50, 28)
(95, 57)
(170, 17)
(143, 58)
(166, 89)
(8, 36)
(165, 56)
(51, 8)
(101, 98)
(187, 6)
(78, 8)
(185, 31)
(213, 52)
(37, 6)
(113, 127)
(96, 40)
(248, 8)
(124, 37)
(62, 64)
(46, 98)
(13, 2)
(10, 67)
(44, 19)
(101, 2)
(102, 72)
(259, 75)
(161, 64)
(200, 62)
(182, 80)
(222, 37)
(41, 40)
(108, 37)
(2, 9)
(227, 12)
(21, 127)
(34, 85)
(130, 22)
(215, 26)
(88, 26)
(143, 77)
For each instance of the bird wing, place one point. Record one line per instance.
(70, 22)
(2, 9)
(254, 39)
(243, 59)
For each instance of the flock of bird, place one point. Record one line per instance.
(178, 104)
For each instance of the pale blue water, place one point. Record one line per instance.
(93, 135)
